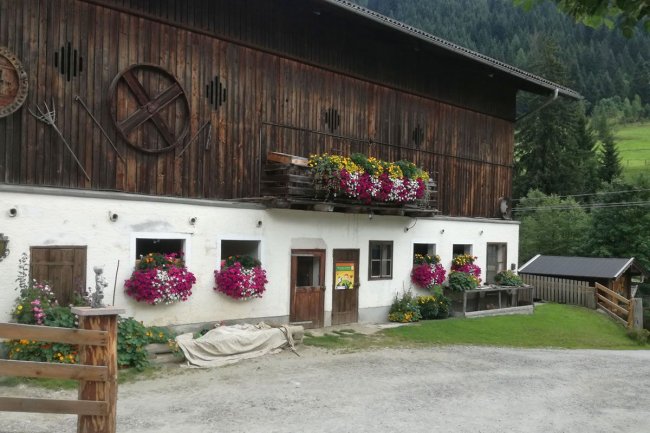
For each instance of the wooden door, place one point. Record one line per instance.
(63, 267)
(345, 290)
(307, 288)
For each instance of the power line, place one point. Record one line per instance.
(584, 206)
(582, 195)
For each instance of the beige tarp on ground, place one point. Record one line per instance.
(229, 344)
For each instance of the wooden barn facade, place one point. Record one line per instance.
(130, 124)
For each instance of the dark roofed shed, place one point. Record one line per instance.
(614, 273)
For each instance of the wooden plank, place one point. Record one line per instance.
(40, 405)
(284, 158)
(52, 370)
(613, 316)
(612, 293)
(612, 304)
(50, 333)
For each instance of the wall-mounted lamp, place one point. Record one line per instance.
(370, 215)
(112, 216)
(513, 266)
(480, 233)
(259, 224)
(442, 231)
(193, 220)
(13, 212)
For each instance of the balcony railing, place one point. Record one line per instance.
(289, 182)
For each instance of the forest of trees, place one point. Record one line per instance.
(568, 190)
(601, 63)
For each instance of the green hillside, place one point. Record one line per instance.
(634, 148)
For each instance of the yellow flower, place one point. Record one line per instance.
(20, 307)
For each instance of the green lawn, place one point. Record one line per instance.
(633, 143)
(551, 325)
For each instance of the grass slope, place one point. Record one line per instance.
(633, 143)
(551, 325)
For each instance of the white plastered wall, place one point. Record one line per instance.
(45, 219)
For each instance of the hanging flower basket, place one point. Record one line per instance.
(427, 272)
(241, 278)
(160, 279)
(368, 179)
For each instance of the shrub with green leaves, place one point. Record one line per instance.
(508, 278)
(404, 309)
(434, 306)
(644, 289)
(428, 307)
(462, 281)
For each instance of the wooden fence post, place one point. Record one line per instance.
(103, 319)
(636, 313)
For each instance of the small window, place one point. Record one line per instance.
(424, 249)
(144, 246)
(460, 249)
(381, 260)
(308, 272)
(240, 248)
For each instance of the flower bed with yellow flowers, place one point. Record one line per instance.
(369, 179)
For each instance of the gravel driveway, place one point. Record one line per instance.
(449, 389)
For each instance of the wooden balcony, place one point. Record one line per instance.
(288, 182)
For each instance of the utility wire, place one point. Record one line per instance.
(584, 206)
(582, 195)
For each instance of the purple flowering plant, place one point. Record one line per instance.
(427, 272)
(241, 278)
(369, 179)
(160, 279)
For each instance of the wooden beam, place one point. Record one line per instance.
(612, 315)
(611, 293)
(612, 304)
(284, 158)
(50, 333)
(54, 371)
(79, 407)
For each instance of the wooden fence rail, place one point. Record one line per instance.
(561, 290)
(618, 307)
(96, 371)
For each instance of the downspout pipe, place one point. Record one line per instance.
(548, 102)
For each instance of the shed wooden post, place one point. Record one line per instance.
(102, 319)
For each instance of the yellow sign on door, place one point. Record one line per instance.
(344, 276)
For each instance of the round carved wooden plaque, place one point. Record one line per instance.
(147, 105)
(13, 83)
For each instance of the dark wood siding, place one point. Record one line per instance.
(268, 97)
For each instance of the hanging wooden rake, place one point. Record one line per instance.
(48, 116)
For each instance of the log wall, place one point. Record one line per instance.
(468, 143)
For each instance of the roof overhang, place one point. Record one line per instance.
(524, 80)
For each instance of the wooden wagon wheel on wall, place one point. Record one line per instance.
(168, 93)
(13, 83)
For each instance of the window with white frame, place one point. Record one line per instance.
(380, 266)
(163, 243)
(460, 249)
(424, 249)
(240, 248)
